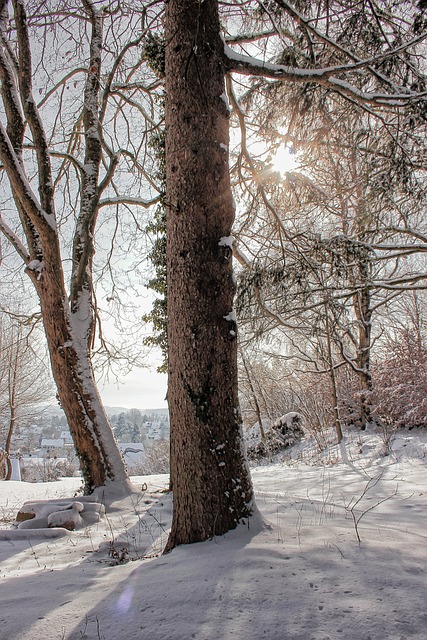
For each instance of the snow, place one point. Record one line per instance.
(231, 317)
(245, 64)
(35, 265)
(226, 241)
(90, 169)
(20, 176)
(80, 322)
(296, 571)
(224, 98)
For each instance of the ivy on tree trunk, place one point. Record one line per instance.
(210, 477)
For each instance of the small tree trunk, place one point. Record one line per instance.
(211, 481)
(363, 312)
(334, 389)
(362, 304)
(12, 421)
(12, 382)
(254, 398)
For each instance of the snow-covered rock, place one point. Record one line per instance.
(71, 514)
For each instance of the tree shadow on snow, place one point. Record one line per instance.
(258, 584)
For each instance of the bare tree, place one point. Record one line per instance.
(36, 150)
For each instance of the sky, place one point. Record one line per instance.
(296, 571)
(140, 389)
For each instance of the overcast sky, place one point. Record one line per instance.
(141, 389)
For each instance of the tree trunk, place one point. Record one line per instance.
(363, 312)
(67, 337)
(211, 481)
(68, 324)
(362, 302)
(334, 390)
(254, 397)
(12, 421)
(12, 382)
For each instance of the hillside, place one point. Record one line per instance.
(338, 552)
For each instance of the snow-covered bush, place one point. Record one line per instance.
(48, 469)
(282, 434)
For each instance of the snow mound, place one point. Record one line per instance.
(68, 514)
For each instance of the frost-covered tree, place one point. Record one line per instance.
(340, 230)
(400, 368)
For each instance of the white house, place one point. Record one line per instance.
(66, 437)
(54, 445)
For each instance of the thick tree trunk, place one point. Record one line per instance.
(211, 481)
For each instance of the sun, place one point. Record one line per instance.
(284, 159)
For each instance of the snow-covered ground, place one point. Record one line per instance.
(340, 555)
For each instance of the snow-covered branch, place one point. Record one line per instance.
(326, 77)
(14, 240)
(31, 111)
(139, 202)
(334, 45)
(21, 185)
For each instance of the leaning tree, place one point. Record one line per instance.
(54, 138)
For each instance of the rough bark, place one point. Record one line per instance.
(211, 481)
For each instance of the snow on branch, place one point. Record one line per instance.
(140, 202)
(326, 76)
(333, 44)
(14, 240)
(21, 185)
(31, 111)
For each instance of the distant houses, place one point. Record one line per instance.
(45, 447)
(155, 430)
(52, 446)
